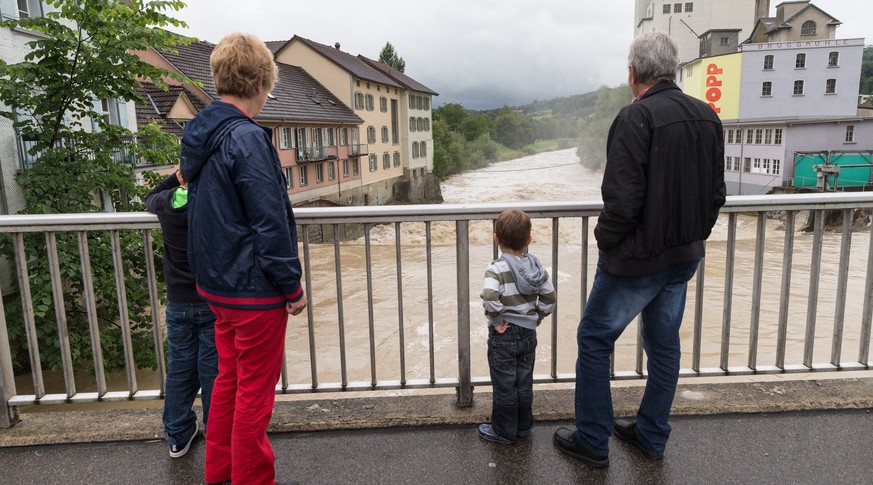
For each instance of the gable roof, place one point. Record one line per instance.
(404, 80)
(354, 66)
(832, 20)
(275, 45)
(158, 104)
(297, 96)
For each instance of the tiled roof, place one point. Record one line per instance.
(275, 45)
(297, 96)
(193, 61)
(158, 103)
(350, 63)
(398, 76)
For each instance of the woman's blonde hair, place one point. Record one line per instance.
(241, 63)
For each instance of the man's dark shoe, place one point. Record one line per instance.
(565, 440)
(624, 429)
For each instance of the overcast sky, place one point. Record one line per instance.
(480, 53)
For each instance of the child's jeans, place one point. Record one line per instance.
(511, 357)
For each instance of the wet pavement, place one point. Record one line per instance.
(798, 447)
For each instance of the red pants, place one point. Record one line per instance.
(250, 344)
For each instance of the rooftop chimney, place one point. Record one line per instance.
(336, 46)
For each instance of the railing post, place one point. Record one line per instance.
(8, 414)
(465, 389)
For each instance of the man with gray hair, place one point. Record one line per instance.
(662, 189)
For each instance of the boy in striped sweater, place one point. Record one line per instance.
(517, 295)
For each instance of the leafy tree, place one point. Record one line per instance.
(475, 126)
(83, 162)
(453, 114)
(513, 129)
(389, 56)
(592, 142)
(867, 71)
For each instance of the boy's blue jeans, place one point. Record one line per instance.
(193, 364)
(614, 301)
(511, 357)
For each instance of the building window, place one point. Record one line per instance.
(346, 167)
(370, 102)
(371, 134)
(730, 136)
(301, 138)
(415, 149)
(384, 134)
(386, 161)
(304, 176)
(286, 138)
(725, 40)
(677, 8)
(768, 136)
(374, 163)
(749, 135)
(29, 8)
(740, 135)
(800, 61)
(420, 124)
(768, 62)
(736, 164)
(666, 8)
(355, 168)
(689, 7)
(427, 124)
(767, 88)
(766, 165)
(289, 177)
(831, 86)
(756, 165)
(344, 136)
(331, 171)
(359, 100)
(747, 164)
(330, 136)
(411, 101)
(396, 159)
(412, 123)
(777, 136)
(775, 169)
(798, 88)
(319, 172)
(758, 133)
(850, 134)
(383, 104)
(834, 59)
(728, 163)
(808, 28)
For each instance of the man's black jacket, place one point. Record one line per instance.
(663, 184)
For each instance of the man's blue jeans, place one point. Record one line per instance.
(193, 364)
(613, 303)
(511, 357)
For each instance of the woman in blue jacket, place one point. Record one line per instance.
(243, 254)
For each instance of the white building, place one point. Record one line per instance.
(685, 22)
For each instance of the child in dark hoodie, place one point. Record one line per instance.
(517, 295)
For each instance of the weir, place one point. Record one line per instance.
(375, 324)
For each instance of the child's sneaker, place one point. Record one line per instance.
(488, 434)
(179, 445)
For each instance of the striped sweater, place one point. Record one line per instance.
(518, 291)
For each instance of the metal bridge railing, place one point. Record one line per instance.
(394, 290)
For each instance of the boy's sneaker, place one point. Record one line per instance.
(179, 445)
(488, 434)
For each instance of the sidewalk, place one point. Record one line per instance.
(807, 431)
(806, 447)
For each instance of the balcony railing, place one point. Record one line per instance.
(393, 309)
(119, 155)
(316, 154)
(359, 149)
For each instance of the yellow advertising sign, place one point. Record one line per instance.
(716, 80)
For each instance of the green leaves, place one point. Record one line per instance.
(83, 162)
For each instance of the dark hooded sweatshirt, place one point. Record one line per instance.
(242, 234)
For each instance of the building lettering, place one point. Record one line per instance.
(802, 44)
(713, 85)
